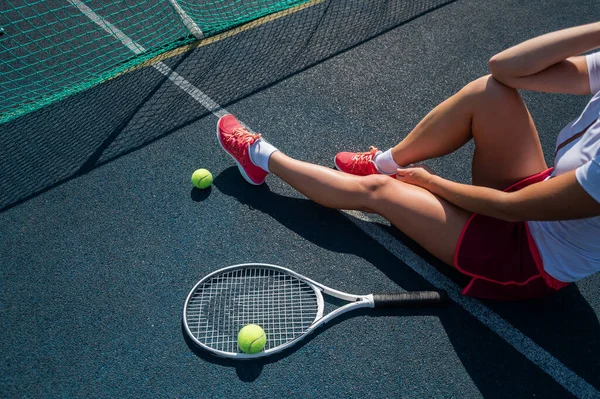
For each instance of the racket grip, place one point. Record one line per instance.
(409, 298)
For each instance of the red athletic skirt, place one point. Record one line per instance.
(502, 258)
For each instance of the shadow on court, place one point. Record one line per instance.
(250, 370)
(564, 325)
(110, 267)
(70, 138)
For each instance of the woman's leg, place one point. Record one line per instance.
(507, 147)
(431, 221)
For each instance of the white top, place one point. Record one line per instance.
(570, 249)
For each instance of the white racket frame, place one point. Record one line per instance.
(356, 302)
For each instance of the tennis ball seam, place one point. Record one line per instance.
(253, 342)
(202, 178)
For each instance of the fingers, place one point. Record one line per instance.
(401, 173)
(416, 167)
(405, 171)
(412, 175)
(405, 175)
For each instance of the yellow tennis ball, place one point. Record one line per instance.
(252, 339)
(202, 178)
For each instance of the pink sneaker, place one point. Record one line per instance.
(235, 139)
(357, 163)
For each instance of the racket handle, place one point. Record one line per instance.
(409, 298)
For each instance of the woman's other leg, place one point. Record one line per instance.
(507, 146)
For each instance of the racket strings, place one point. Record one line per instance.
(283, 305)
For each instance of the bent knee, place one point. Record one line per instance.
(488, 89)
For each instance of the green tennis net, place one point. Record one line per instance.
(50, 49)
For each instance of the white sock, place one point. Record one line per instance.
(260, 152)
(385, 163)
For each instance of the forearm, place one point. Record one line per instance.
(481, 200)
(535, 55)
(559, 198)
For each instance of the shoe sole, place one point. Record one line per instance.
(239, 165)
(336, 165)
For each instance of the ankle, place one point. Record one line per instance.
(260, 152)
(385, 163)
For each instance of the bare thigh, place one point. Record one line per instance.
(507, 145)
(432, 222)
(507, 150)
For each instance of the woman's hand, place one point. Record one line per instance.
(558, 198)
(417, 175)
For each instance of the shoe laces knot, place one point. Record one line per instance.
(362, 160)
(240, 139)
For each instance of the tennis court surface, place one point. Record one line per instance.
(102, 236)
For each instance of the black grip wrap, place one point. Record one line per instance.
(409, 298)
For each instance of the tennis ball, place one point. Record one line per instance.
(202, 178)
(252, 339)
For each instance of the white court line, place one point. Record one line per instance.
(137, 49)
(187, 21)
(522, 343)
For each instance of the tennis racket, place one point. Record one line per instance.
(287, 305)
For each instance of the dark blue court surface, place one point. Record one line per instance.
(102, 235)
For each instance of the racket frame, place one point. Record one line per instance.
(355, 302)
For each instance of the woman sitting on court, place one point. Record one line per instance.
(522, 230)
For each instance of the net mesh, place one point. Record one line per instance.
(283, 305)
(50, 49)
(72, 137)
